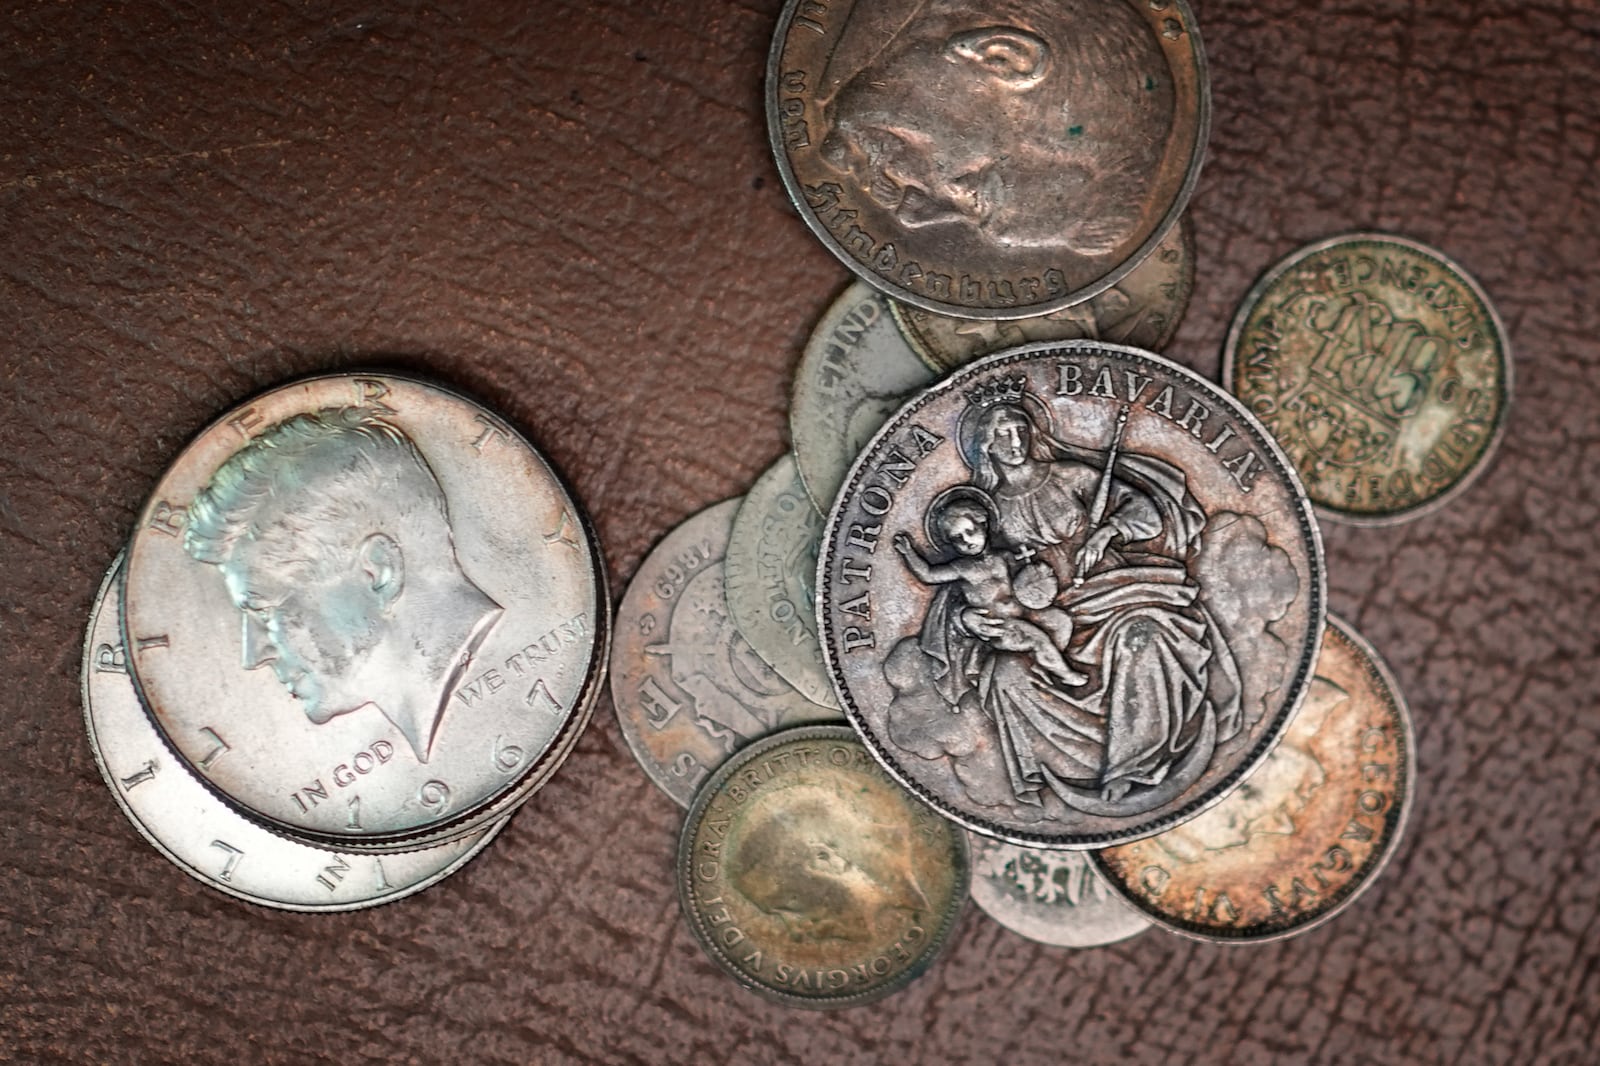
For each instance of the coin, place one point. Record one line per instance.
(1054, 897)
(988, 160)
(1051, 655)
(1306, 833)
(203, 836)
(770, 573)
(365, 612)
(1382, 369)
(688, 688)
(812, 878)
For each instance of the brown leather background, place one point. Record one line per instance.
(568, 209)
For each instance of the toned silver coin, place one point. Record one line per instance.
(770, 574)
(1071, 595)
(365, 612)
(688, 688)
(1054, 897)
(203, 836)
(988, 160)
(1142, 310)
(812, 878)
(1382, 369)
(1306, 833)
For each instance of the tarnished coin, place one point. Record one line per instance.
(1382, 369)
(202, 835)
(1071, 595)
(812, 878)
(1306, 833)
(770, 575)
(1054, 897)
(365, 612)
(988, 160)
(688, 688)
(1143, 310)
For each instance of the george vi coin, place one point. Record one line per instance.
(365, 612)
(1054, 897)
(988, 160)
(205, 837)
(1071, 595)
(1306, 833)
(1382, 369)
(812, 878)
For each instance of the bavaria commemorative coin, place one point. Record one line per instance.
(1306, 833)
(988, 160)
(365, 612)
(1054, 897)
(1382, 369)
(1071, 595)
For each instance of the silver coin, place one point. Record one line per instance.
(688, 688)
(1054, 897)
(770, 571)
(365, 612)
(202, 835)
(1071, 595)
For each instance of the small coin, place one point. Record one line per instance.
(812, 878)
(688, 688)
(1306, 833)
(771, 573)
(1054, 897)
(1382, 369)
(203, 836)
(984, 161)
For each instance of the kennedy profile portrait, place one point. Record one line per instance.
(333, 538)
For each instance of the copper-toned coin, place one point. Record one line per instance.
(1382, 369)
(989, 160)
(812, 878)
(1054, 897)
(1306, 833)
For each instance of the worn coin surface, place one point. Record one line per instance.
(1056, 649)
(364, 611)
(1382, 369)
(206, 838)
(812, 878)
(1306, 833)
(1054, 897)
(688, 688)
(988, 160)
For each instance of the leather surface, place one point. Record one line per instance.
(569, 211)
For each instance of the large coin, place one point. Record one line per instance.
(1306, 833)
(365, 612)
(1071, 595)
(1382, 369)
(1054, 897)
(202, 835)
(688, 688)
(984, 160)
(812, 878)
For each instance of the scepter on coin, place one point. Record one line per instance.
(1102, 493)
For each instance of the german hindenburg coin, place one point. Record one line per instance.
(1054, 897)
(770, 572)
(988, 160)
(688, 688)
(1071, 595)
(366, 612)
(812, 878)
(1306, 833)
(202, 835)
(1382, 369)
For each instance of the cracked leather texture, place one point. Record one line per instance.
(569, 211)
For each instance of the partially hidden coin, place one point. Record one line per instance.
(203, 836)
(812, 878)
(1306, 833)
(1382, 369)
(1071, 595)
(688, 688)
(770, 575)
(988, 160)
(1054, 897)
(365, 612)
